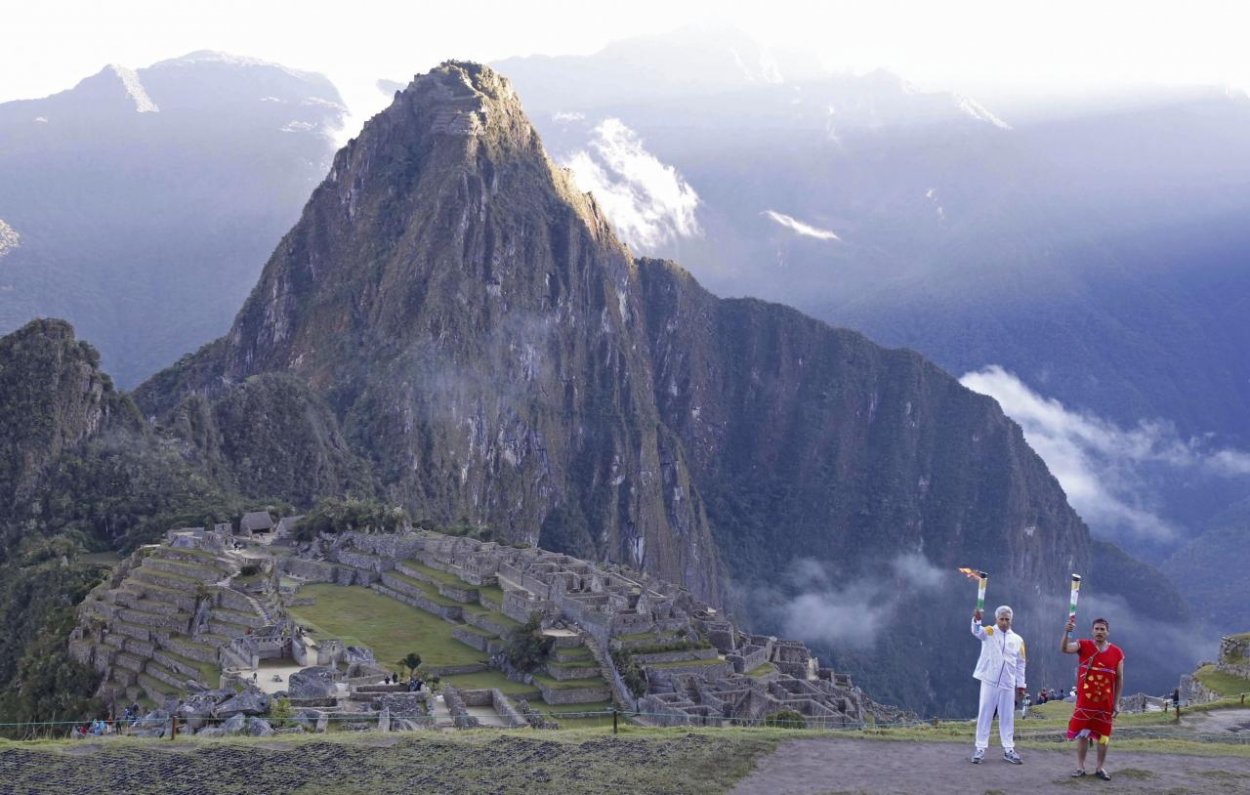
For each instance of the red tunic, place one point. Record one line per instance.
(1095, 691)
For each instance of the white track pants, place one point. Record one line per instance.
(1002, 699)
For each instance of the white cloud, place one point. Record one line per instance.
(9, 238)
(648, 202)
(1101, 465)
(841, 611)
(807, 230)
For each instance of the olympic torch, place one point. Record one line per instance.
(1076, 592)
(982, 579)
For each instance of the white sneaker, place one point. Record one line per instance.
(978, 755)
(1011, 756)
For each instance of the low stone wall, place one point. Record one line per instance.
(164, 580)
(314, 570)
(389, 546)
(146, 593)
(173, 621)
(575, 695)
(230, 599)
(365, 562)
(176, 665)
(487, 622)
(457, 593)
(565, 673)
(453, 670)
(138, 647)
(195, 569)
(201, 652)
(470, 638)
(314, 702)
(162, 674)
(518, 605)
(648, 658)
(702, 670)
(142, 633)
(421, 601)
(133, 601)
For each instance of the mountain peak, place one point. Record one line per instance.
(447, 193)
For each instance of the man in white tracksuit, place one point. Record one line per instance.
(1001, 671)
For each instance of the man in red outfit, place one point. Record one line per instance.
(1099, 682)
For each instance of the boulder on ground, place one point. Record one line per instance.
(306, 719)
(249, 702)
(317, 681)
(235, 724)
(259, 727)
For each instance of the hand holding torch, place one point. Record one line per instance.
(1076, 592)
(982, 578)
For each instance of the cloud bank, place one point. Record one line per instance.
(648, 202)
(1104, 468)
(840, 611)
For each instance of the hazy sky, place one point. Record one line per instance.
(48, 46)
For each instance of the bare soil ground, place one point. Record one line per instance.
(825, 766)
(580, 763)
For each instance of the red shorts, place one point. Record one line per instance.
(1090, 722)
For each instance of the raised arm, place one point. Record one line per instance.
(1066, 644)
(978, 631)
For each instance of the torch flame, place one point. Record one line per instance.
(972, 574)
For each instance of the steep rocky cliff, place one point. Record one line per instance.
(501, 359)
(54, 396)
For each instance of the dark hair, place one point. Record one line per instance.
(1101, 621)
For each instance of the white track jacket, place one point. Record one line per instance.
(1002, 659)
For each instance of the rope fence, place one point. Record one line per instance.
(173, 728)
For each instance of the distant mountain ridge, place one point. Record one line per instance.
(138, 203)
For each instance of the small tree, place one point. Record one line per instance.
(280, 713)
(411, 661)
(785, 719)
(527, 646)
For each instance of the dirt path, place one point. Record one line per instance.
(820, 767)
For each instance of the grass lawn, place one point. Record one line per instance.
(362, 617)
(562, 715)
(1220, 682)
(569, 684)
(762, 670)
(489, 679)
(438, 575)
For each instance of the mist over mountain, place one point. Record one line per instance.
(1089, 253)
(139, 204)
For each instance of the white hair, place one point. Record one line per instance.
(1003, 610)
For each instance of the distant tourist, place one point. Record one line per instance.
(1100, 675)
(1001, 671)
